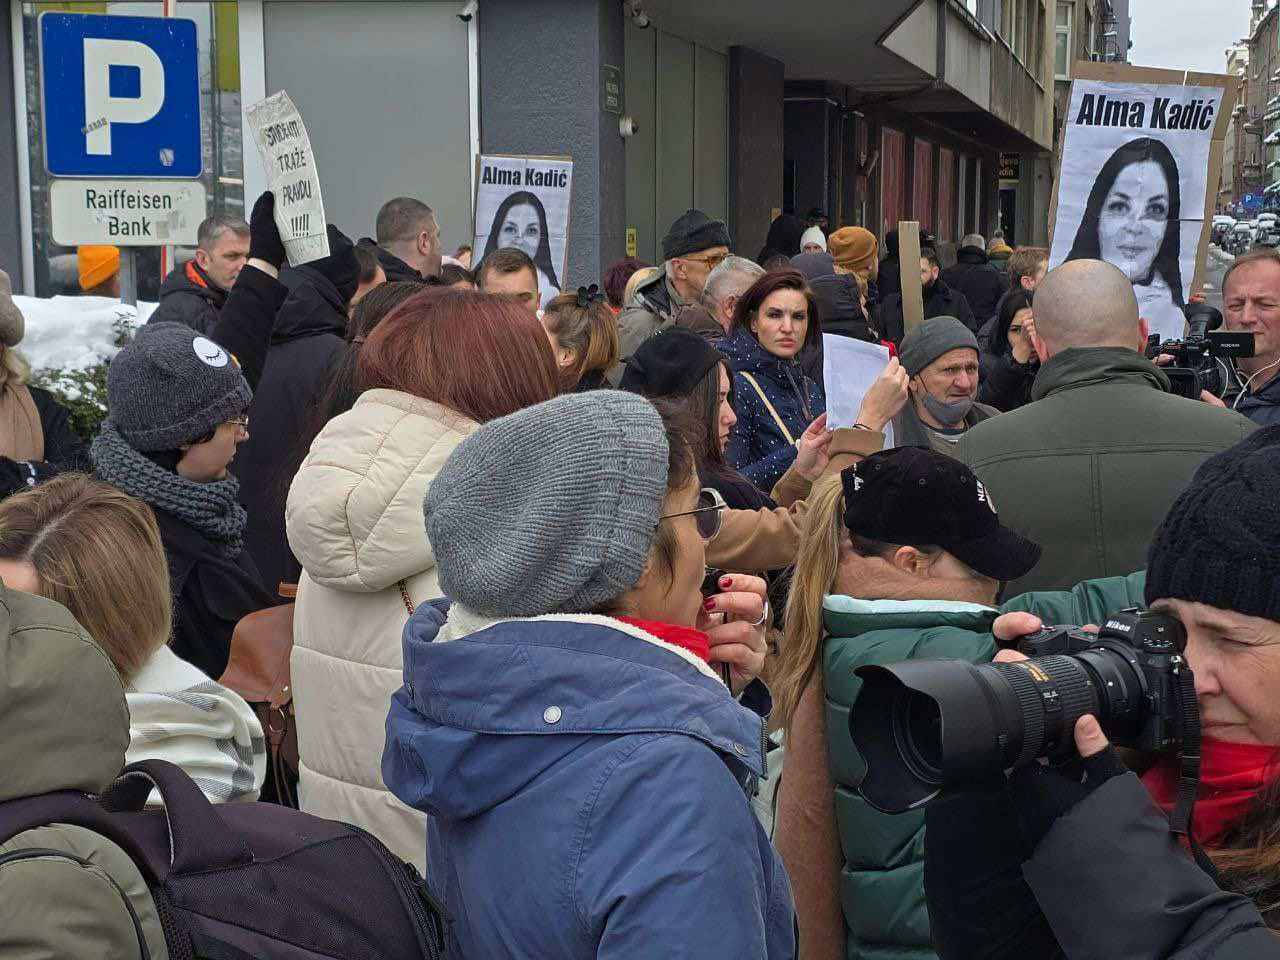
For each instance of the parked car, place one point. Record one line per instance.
(1268, 233)
(1222, 226)
(1241, 238)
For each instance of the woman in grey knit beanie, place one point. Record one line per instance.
(577, 713)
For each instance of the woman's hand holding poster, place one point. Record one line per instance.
(1140, 154)
(523, 202)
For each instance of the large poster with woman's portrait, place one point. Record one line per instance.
(523, 202)
(1136, 179)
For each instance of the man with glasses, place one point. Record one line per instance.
(693, 247)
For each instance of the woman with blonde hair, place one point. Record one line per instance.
(36, 439)
(97, 551)
(902, 557)
(584, 337)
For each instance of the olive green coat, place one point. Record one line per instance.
(65, 892)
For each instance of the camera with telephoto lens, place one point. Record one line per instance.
(922, 725)
(1197, 357)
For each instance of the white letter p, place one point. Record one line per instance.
(101, 109)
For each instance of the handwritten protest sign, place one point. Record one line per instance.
(286, 154)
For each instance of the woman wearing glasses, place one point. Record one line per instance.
(176, 412)
(574, 738)
(776, 402)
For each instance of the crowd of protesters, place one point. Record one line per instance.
(566, 592)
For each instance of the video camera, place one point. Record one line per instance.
(1197, 357)
(921, 725)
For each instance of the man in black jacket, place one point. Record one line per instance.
(310, 331)
(408, 240)
(195, 292)
(981, 282)
(939, 300)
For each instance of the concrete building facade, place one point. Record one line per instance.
(743, 108)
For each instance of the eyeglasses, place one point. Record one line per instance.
(713, 261)
(708, 514)
(240, 421)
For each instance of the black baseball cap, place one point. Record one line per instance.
(919, 497)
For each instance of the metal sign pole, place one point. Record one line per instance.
(129, 276)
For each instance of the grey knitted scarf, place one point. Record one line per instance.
(212, 507)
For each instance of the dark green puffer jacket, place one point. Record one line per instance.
(881, 882)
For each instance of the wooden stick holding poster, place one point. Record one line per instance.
(286, 153)
(1138, 172)
(523, 202)
(909, 267)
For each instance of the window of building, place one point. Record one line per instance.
(1062, 42)
(217, 36)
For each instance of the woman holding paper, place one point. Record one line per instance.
(775, 402)
(1133, 220)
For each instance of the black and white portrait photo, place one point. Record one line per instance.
(523, 202)
(1131, 188)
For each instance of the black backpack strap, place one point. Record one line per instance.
(76, 809)
(198, 839)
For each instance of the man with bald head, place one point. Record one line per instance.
(1089, 469)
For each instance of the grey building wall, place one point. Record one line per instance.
(540, 78)
(1124, 24)
(755, 145)
(10, 223)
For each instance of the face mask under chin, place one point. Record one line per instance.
(947, 414)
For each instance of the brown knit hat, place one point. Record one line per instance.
(12, 324)
(853, 248)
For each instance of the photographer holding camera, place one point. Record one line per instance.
(1251, 304)
(1074, 859)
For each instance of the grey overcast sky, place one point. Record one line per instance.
(1186, 34)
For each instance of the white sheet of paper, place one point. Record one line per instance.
(849, 367)
(286, 154)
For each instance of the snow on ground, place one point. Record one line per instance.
(71, 333)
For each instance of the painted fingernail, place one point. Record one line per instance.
(709, 603)
(726, 582)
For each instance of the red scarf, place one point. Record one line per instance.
(686, 638)
(1231, 775)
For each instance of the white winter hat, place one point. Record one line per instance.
(813, 235)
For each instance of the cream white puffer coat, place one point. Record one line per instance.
(354, 519)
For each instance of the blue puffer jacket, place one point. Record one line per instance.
(587, 790)
(757, 448)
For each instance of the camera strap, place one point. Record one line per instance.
(1188, 767)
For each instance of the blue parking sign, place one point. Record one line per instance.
(121, 96)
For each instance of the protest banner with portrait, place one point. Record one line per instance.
(1137, 174)
(523, 202)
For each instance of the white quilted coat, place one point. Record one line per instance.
(354, 519)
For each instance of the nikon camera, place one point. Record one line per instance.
(922, 725)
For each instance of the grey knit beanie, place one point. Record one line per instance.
(170, 386)
(551, 509)
(930, 340)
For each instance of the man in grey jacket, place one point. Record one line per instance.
(1090, 467)
(693, 247)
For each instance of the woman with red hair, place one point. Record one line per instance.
(444, 362)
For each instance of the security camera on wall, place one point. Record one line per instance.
(468, 10)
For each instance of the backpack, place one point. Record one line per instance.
(250, 881)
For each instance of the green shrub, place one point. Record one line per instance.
(84, 391)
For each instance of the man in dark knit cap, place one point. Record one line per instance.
(693, 247)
